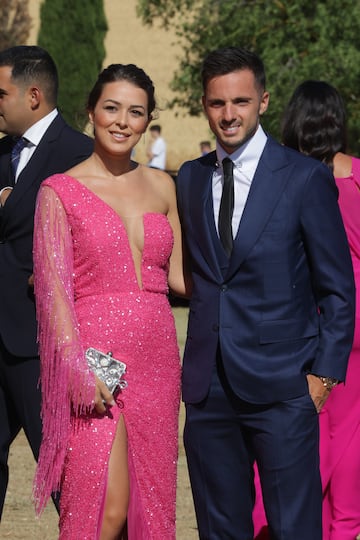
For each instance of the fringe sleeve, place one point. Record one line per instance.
(67, 384)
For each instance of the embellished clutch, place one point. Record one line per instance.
(108, 369)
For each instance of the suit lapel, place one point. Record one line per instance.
(202, 213)
(5, 158)
(271, 177)
(33, 171)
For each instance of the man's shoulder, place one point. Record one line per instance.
(195, 170)
(65, 145)
(275, 151)
(207, 161)
(67, 138)
(71, 134)
(61, 126)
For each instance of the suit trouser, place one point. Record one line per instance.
(20, 399)
(223, 435)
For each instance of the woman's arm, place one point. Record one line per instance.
(67, 384)
(180, 281)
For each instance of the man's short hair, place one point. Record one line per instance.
(32, 65)
(229, 59)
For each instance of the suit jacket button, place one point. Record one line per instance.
(215, 327)
(224, 288)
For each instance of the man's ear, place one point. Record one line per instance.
(264, 103)
(35, 96)
(91, 116)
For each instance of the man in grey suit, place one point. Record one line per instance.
(38, 144)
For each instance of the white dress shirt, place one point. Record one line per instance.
(34, 135)
(245, 159)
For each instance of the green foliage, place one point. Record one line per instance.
(73, 33)
(297, 40)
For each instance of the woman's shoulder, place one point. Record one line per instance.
(56, 180)
(160, 179)
(62, 186)
(343, 165)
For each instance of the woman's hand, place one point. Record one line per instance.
(103, 397)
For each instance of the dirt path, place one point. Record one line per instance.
(19, 522)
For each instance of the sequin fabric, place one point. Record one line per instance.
(103, 306)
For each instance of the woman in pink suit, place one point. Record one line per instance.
(314, 123)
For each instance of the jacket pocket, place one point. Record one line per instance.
(277, 331)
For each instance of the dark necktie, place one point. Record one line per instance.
(15, 154)
(227, 206)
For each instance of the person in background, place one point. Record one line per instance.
(38, 143)
(315, 124)
(271, 315)
(205, 147)
(156, 152)
(107, 246)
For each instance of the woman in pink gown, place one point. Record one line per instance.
(314, 123)
(107, 243)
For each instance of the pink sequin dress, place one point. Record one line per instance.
(88, 295)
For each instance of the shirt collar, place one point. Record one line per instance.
(35, 132)
(247, 156)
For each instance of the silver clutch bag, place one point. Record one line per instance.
(108, 369)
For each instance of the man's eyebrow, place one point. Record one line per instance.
(236, 99)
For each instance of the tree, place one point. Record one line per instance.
(15, 23)
(297, 40)
(73, 33)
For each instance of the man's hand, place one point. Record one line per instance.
(4, 193)
(318, 392)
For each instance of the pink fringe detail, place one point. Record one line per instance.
(67, 384)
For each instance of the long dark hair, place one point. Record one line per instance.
(123, 72)
(314, 121)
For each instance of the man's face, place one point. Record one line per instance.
(233, 105)
(15, 105)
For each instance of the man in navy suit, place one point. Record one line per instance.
(28, 97)
(271, 315)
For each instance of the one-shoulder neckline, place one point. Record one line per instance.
(106, 204)
(120, 219)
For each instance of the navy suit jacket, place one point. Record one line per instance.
(60, 148)
(283, 304)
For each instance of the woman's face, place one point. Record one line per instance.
(120, 116)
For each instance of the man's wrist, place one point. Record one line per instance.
(328, 382)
